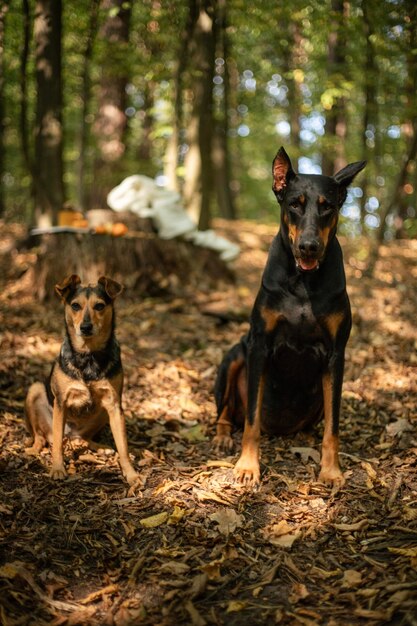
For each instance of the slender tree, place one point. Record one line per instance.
(3, 11)
(86, 97)
(221, 152)
(111, 121)
(172, 153)
(336, 123)
(199, 171)
(397, 204)
(48, 169)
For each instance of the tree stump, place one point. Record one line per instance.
(142, 262)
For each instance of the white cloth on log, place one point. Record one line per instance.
(142, 196)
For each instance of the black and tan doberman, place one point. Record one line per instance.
(84, 390)
(287, 372)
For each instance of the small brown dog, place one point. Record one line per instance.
(84, 390)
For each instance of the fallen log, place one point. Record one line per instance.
(142, 261)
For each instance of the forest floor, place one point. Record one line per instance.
(191, 547)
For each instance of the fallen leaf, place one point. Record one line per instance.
(306, 454)
(363, 523)
(154, 520)
(196, 618)
(397, 428)
(175, 567)
(176, 515)
(228, 520)
(193, 434)
(298, 592)
(351, 578)
(282, 528)
(212, 570)
(209, 495)
(284, 541)
(236, 605)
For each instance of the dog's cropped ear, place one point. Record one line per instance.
(69, 284)
(345, 176)
(111, 287)
(282, 172)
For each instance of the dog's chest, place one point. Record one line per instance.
(299, 327)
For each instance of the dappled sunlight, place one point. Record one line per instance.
(191, 544)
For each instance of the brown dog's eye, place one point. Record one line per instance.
(75, 306)
(99, 306)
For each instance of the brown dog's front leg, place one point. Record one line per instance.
(57, 471)
(118, 428)
(330, 469)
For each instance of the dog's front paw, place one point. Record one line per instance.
(135, 481)
(58, 472)
(332, 476)
(223, 443)
(247, 472)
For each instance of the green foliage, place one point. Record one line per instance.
(280, 53)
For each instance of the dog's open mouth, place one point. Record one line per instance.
(307, 264)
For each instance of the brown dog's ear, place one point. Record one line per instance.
(69, 284)
(112, 288)
(282, 172)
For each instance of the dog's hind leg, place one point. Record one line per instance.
(231, 397)
(38, 414)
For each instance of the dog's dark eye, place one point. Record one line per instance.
(326, 209)
(295, 208)
(99, 306)
(75, 306)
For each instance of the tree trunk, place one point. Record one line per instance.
(397, 203)
(370, 114)
(111, 121)
(221, 155)
(85, 96)
(336, 126)
(294, 76)
(145, 149)
(49, 187)
(199, 179)
(3, 11)
(172, 154)
(143, 262)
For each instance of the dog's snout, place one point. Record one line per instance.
(86, 325)
(309, 246)
(86, 328)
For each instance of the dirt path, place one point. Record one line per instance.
(192, 547)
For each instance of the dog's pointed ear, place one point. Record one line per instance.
(111, 287)
(282, 172)
(345, 176)
(69, 284)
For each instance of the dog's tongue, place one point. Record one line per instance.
(308, 264)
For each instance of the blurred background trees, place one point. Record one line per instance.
(200, 94)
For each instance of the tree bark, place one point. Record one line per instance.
(370, 114)
(397, 203)
(86, 96)
(48, 169)
(172, 154)
(199, 180)
(111, 122)
(336, 125)
(221, 154)
(3, 11)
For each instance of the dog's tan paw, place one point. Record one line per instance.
(136, 483)
(247, 472)
(32, 451)
(58, 472)
(333, 477)
(223, 443)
